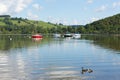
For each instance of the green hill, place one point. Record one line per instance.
(108, 25)
(9, 25)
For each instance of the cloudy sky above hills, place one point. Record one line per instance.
(61, 11)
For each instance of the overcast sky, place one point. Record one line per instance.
(61, 11)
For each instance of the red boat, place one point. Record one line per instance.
(37, 36)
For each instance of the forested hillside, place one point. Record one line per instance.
(9, 25)
(108, 25)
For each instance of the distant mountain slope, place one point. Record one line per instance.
(107, 25)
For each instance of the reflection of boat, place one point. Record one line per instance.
(37, 36)
(37, 39)
(76, 36)
(57, 35)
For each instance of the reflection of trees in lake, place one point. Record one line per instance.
(107, 41)
(19, 41)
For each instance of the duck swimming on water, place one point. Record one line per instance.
(86, 70)
(90, 70)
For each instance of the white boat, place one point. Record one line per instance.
(76, 36)
(57, 35)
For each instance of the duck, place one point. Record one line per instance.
(90, 70)
(84, 70)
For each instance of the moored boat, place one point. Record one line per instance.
(57, 35)
(37, 36)
(67, 35)
(76, 36)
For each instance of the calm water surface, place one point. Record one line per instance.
(22, 58)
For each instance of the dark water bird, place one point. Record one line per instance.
(90, 70)
(84, 70)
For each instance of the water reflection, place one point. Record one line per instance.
(19, 41)
(107, 41)
(22, 68)
(58, 59)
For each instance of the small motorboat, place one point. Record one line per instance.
(67, 35)
(37, 36)
(76, 36)
(57, 35)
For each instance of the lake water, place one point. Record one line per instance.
(22, 58)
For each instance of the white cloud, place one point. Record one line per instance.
(101, 9)
(3, 8)
(32, 16)
(13, 6)
(57, 20)
(37, 7)
(65, 22)
(89, 1)
(90, 20)
(116, 4)
(75, 22)
(94, 19)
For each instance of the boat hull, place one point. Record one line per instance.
(77, 36)
(67, 35)
(57, 35)
(37, 36)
